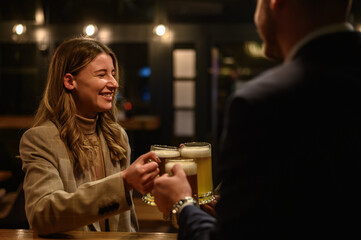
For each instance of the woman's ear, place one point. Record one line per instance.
(69, 82)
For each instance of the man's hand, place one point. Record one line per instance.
(170, 189)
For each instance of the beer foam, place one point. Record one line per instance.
(166, 153)
(190, 168)
(195, 152)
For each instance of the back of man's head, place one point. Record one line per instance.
(335, 9)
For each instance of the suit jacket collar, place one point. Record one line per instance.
(342, 27)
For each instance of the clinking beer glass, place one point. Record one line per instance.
(190, 168)
(163, 152)
(202, 153)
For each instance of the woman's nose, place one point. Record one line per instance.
(113, 82)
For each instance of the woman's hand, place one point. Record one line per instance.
(209, 207)
(141, 173)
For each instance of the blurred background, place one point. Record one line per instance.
(180, 61)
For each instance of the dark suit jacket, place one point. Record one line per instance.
(291, 153)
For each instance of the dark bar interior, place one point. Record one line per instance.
(159, 101)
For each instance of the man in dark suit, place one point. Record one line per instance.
(291, 150)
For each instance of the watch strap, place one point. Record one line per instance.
(177, 208)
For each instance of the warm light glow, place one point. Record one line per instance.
(358, 28)
(162, 33)
(39, 16)
(160, 30)
(19, 29)
(42, 38)
(90, 30)
(105, 34)
(254, 49)
(228, 60)
(128, 106)
(40, 34)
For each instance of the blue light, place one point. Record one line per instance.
(144, 72)
(145, 93)
(119, 96)
(146, 97)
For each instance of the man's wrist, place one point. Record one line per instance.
(178, 207)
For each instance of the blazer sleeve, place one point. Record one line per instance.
(50, 208)
(195, 224)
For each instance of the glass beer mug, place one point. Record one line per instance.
(163, 152)
(190, 168)
(201, 152)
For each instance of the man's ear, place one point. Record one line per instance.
(274, 4)
(69, 81)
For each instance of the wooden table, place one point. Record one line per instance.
(20, 234)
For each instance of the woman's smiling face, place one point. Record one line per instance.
(94, 86)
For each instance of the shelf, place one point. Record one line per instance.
(141, 122)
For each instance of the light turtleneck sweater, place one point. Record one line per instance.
(88, 126)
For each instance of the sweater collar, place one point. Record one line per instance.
(87, 125)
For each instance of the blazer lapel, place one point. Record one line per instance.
(110, 168)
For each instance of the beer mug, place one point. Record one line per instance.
(202, 153)
(163, 152)
(190, 168)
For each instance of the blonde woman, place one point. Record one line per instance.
(76, 156)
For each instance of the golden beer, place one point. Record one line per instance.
(163, 152)
(190, 168)
(202, 153)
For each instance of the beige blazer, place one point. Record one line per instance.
(56, 200)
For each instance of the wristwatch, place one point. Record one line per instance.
(177, 208)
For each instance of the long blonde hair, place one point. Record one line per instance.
(59, 107)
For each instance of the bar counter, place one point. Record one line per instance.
(20, 234)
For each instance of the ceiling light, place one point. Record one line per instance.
(19, 29)
(90, 30)
(160, 30)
